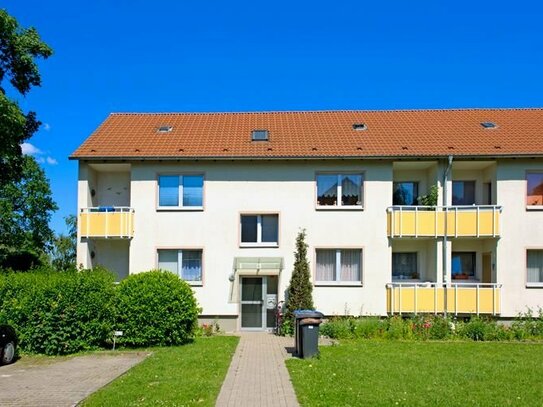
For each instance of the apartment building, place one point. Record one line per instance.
(419, 211)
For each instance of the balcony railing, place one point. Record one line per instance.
(461, 298)
(107, 222)
(449, 221)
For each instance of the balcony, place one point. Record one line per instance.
(461, 298)
(109, 222)
(439, 221)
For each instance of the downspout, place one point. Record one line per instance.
(444, 245)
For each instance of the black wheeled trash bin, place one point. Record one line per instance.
(306, 332)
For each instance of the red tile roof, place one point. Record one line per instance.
(328, 134)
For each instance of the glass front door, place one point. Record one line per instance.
(258, 302)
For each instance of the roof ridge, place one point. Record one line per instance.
(474, 109)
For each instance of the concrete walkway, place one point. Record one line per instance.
(257, 375)
(63, 381)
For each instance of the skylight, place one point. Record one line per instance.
(165, 129)
(360, 126)
(260, 135)
(489, 125)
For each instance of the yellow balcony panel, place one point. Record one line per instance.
(465, 298)
(452, 221)
(107, 222)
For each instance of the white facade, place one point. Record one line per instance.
(288, 189)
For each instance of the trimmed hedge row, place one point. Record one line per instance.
(434, 327)
(61, 313)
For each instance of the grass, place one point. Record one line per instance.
(175, 376)
(390, 373)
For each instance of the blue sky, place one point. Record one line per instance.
(121, 55)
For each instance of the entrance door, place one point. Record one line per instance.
(258, 302)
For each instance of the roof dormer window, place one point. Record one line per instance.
(165, 129)
(489, 125)
(260, 135)
(360, 126)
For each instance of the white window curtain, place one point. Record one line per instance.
(191, 269)
(351, 189)
(350, 265)
(535, 266)
(326, 265)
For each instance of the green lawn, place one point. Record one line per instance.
(390, 373)
(177, 376)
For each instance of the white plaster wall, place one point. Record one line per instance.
(520, 229)
(112, 189)
(86, 181)
(289, 189)
(232, 188)
(113, 255)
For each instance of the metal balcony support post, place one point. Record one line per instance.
(477, 299)
(477, 220)
(435, 223)
(107, 224)
(400, 300)
(88, 218)
(401, 224)
(416, 222)
(456, 299)
(415, 299)
(435, 299)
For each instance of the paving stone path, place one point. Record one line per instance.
(63, 382)
(257, 375)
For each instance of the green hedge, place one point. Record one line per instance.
(58, 313)
(155, 308)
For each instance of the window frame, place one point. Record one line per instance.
(528, 283)
(340, 206)
(417, 264)
(470, 277)
(474, 191)
(417, 183)
(338, 282)
(180, 207)
(196, 283)
(528, 206)
(259, 242)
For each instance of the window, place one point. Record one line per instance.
(260, 135)
(534, 263)
(259, 230)
(187, 264)
(180, 191)
(165, 129)
(346, 186)
(463, 265)
(463, 193)
(489, 125)
(405, 193)
(535, 188)
(404, 266)
(339, 265)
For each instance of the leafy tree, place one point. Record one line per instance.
(300, 289)
(19, 47)
(25, 210)
(63, 255)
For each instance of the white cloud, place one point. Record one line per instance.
(39, 155)
(46, 126)
(30, 149)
